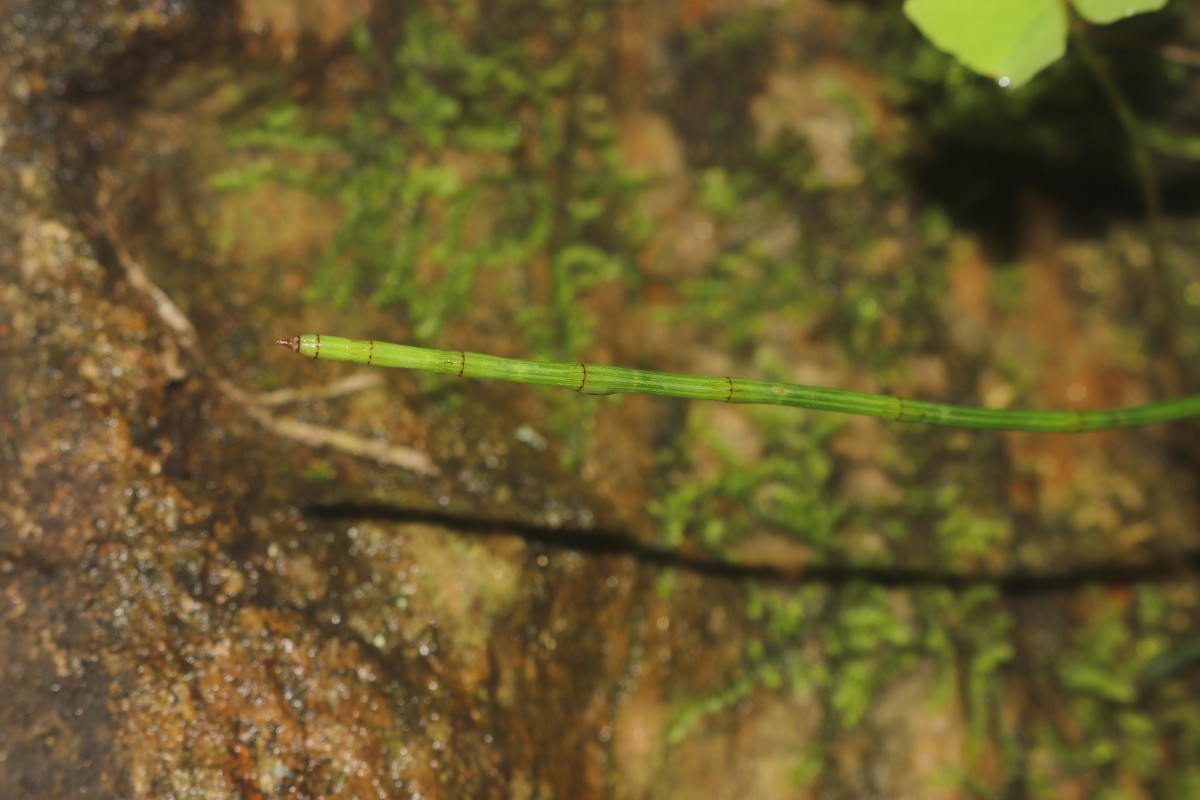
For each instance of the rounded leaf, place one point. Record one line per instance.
(1106, 11)
(1009, 40)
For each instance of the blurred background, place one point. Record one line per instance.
(231, 572)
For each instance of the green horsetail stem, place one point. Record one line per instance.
(602, 379)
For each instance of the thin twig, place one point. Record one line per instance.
(351, 384)
(312, 435)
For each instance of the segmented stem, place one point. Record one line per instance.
(603, 379)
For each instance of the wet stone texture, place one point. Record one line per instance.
(138, 648)
(158, 644)
(196, 601)
(172, 626)
(163, 638)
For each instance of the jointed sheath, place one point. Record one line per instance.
(602, 379)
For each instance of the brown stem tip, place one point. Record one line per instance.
(292, 344)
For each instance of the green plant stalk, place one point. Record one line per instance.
(603, 379)
(1164, 326)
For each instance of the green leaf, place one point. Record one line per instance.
(1010, 40)
(1106, 11)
